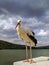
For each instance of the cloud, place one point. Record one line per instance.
(8, 32)
(4, 11)
(6, 22)
(25, 8)
(34, 22)
(42, 33)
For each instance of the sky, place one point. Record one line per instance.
(34, 15)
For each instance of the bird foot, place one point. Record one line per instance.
(27, 60)
(32, 61)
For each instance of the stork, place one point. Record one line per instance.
(28, 36)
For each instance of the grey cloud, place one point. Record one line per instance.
(25, 8)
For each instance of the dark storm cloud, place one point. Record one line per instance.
(26, 8)
(8, 34)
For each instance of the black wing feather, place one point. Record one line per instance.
(33, 39)
(33, 33)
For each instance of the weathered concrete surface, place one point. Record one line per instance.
(39, 61)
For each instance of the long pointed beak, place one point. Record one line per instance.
(17, 25)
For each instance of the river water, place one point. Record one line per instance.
(7, 57)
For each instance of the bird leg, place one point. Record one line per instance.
(27, 60)
(30, 53)
(31, 60)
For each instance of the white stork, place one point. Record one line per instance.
(28, 37)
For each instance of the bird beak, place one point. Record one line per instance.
(17, 25)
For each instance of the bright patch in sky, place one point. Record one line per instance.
(42, 33)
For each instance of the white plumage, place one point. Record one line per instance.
(28, 37)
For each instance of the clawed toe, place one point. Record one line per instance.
(27, 60)
(32, 61)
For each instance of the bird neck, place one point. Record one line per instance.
(18, 28)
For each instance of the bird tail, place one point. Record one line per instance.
(35, 42)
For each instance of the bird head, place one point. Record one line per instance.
(18, 23)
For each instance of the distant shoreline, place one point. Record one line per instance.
(8, 45)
